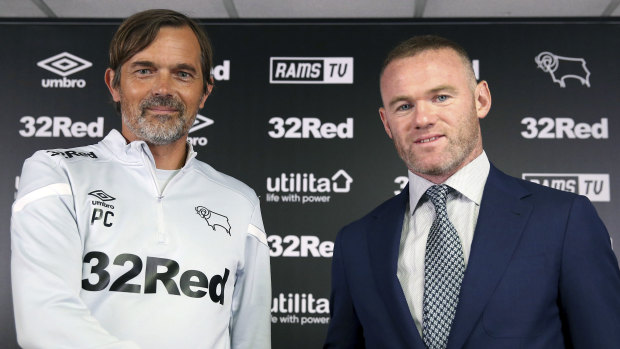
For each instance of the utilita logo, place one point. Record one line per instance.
(299, 309)
(200, 123)
(562, 68)
(64, 64)
(593, 185)
(300, 187)
(311, 70)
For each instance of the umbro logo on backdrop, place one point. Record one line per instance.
(200, 123)
(64, 64)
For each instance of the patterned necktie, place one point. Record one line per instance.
(444, 267)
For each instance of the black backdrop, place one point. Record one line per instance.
(294, 115)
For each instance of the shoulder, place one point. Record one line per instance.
(224, 181)
(500, 181)
(61, 160)
(66, 155)
(551, 203)
(53, 166)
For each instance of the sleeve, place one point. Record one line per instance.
(46, 265)
(589, 281)
(250, 325)
(345, 330)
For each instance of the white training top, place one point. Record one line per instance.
(102, 258)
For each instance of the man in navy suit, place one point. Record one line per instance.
(497, 262)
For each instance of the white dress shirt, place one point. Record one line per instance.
(463, 206)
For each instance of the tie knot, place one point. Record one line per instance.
(438, 194)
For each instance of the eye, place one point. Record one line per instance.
(405, 107)
(442, 98)
(183, 75)
(143, 71)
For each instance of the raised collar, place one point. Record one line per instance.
(132, 152)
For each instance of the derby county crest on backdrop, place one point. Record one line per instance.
(561, 68)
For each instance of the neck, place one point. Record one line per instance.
(442, 177)
(439, 179)
(170, 156)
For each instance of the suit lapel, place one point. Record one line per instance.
(501, 220)
(383, 244)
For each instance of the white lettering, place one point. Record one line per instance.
(280, 70)
(201, 141)
(340, 182)
(560, 128)
(299, 246)
(221, 72)
(63, 83)
(299, 303)
(60, 126)
(309, 128)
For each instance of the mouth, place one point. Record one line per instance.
(162, 105)
(162, 109)
(427, 140)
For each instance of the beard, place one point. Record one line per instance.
(456, 154)
(158, 129)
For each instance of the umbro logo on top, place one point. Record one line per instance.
(101, 195)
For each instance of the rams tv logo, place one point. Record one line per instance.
(311, 70)
(595, 186)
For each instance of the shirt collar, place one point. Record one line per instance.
(130, 152)
(469, 181)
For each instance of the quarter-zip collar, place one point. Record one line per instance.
(138, 153)
(132, 152)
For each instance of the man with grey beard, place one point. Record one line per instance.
(133, 242)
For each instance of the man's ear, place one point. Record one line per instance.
(109, 77)
(386, 126)
(482, 97)
(209, 89)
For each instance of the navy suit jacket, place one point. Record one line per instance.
(541, 274)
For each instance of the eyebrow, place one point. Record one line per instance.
(185, 66)
(180, 66)
(142, 64)
(397, 99)
(440, 88)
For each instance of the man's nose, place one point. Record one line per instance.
(424, 115)
(163, 84)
